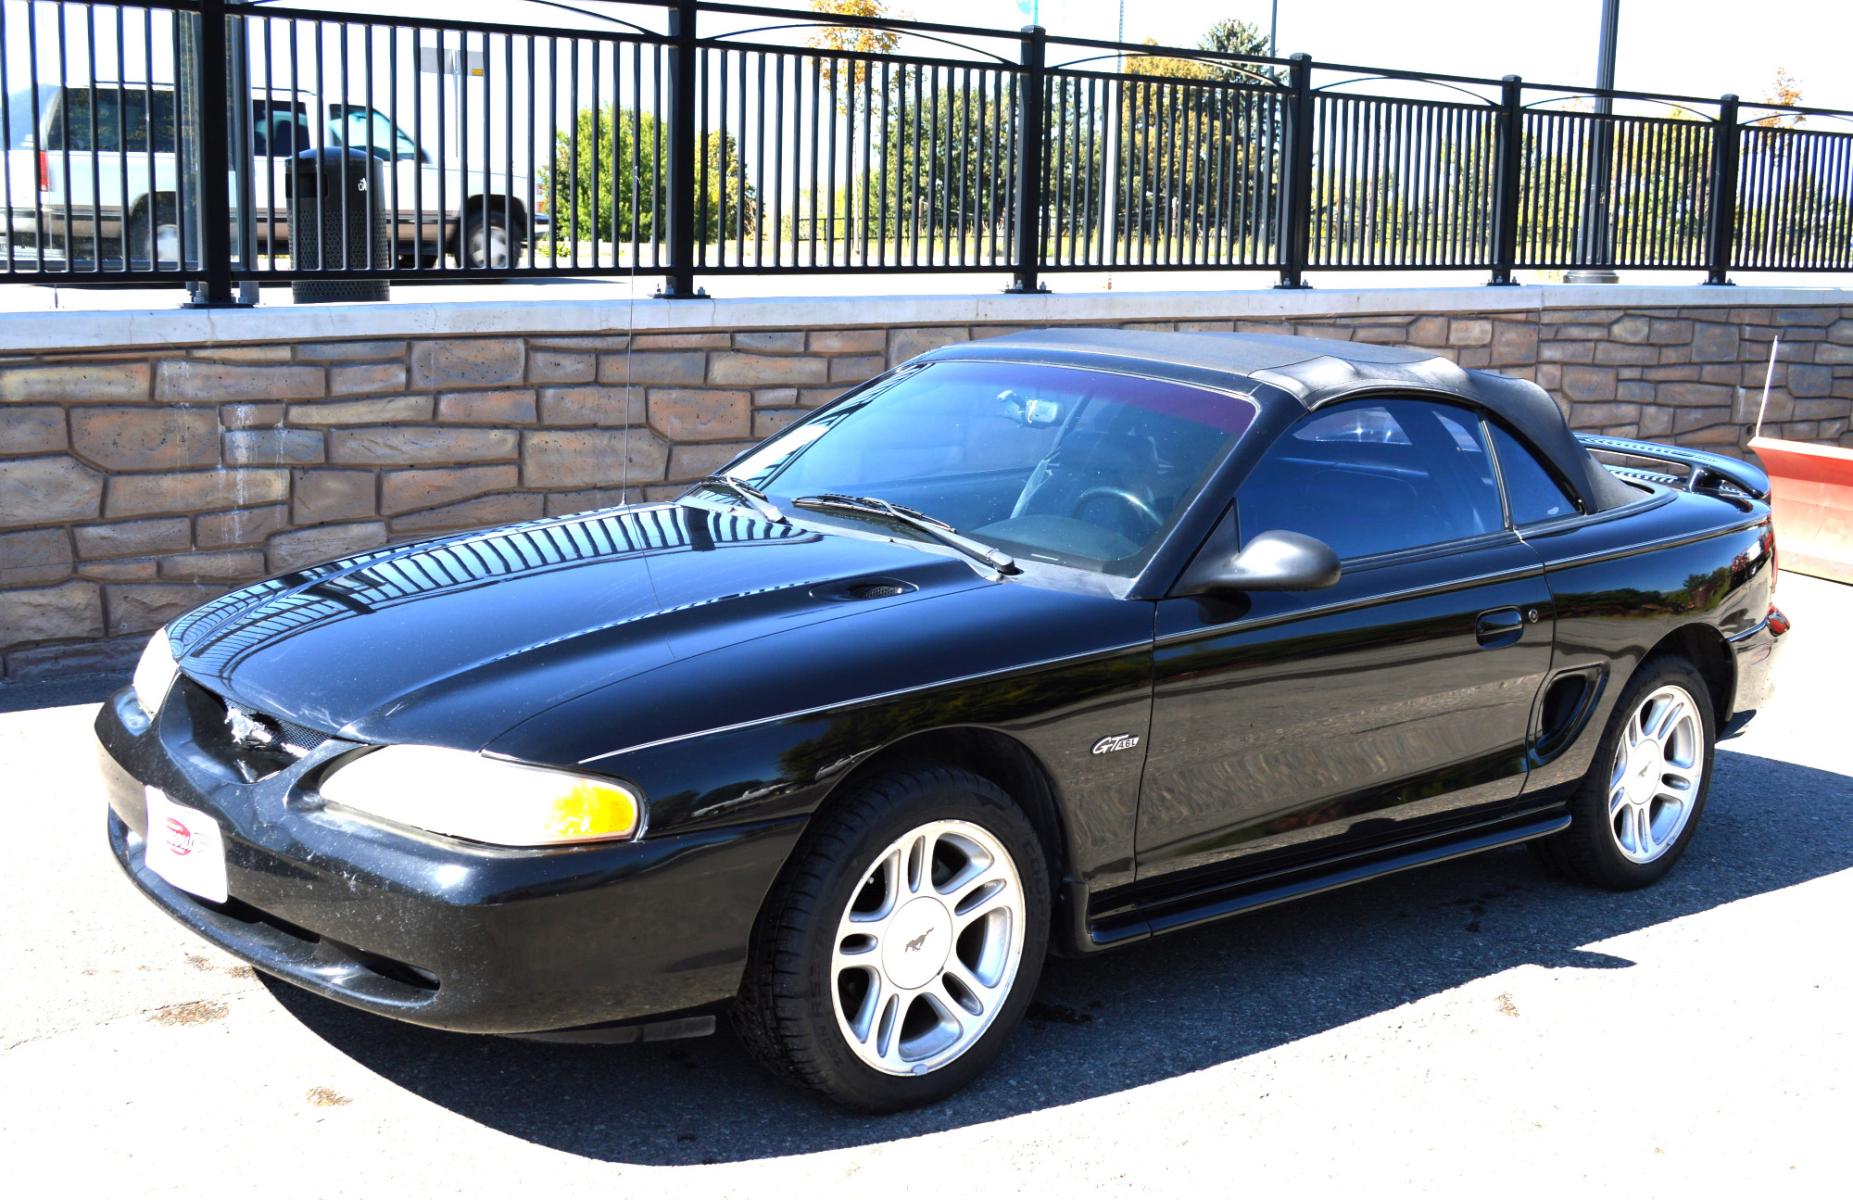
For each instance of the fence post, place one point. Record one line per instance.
(1296, 205)
(1029, 161)
(1506, 187)
(1723, 192)
(680, 281)
(215, 159)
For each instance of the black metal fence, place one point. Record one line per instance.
(684, 139)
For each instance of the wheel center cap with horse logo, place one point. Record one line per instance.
(918, 942)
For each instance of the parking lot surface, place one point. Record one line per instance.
(1476, 1026)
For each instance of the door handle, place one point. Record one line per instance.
(1499, 627)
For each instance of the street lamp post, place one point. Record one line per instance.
(1595, 241)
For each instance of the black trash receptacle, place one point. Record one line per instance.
(349, 230)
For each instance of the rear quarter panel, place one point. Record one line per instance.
(1625, 583)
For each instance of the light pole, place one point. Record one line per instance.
(1595, 241)
(1110, 175)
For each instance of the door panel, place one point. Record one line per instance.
(1362, 712)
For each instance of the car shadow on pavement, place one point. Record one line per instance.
(1147, 1013)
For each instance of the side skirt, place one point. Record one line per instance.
(1165, 914)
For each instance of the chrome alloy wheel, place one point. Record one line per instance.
(1654, 783)
(489, 246)
(166, 244)
(928, 948)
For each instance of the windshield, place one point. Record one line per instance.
(1077, 467)
(364, 129)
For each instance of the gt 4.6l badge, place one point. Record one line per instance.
(1116, 741)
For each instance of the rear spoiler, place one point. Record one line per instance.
(1703, 469)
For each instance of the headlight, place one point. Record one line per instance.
(154, 674)
(468, 796)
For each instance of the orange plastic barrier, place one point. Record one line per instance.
(1812, 494)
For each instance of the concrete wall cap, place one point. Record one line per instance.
(70, 330)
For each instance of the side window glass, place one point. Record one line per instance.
(121, 120)
(166, 125)
(69, 127)
(1534, 494)
(278, 130)
(1375, 476)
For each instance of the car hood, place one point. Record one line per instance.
(451, 641)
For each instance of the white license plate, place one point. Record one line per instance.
(185, 847)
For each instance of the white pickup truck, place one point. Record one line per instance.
(91, 182)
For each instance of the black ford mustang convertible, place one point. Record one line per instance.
(1051, 642)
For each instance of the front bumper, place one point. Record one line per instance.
(433, 930)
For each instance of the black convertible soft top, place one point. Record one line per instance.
(1317, 372)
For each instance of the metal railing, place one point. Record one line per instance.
(684, 139)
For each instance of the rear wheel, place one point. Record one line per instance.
(903, 945)
(1636, 811)
(155, 224)
(486, 240)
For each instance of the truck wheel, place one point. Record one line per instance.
(159, 220)
(486, 241)
(1636, 810)
(902, 944)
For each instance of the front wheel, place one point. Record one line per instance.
(1635, 812)
(903, 944)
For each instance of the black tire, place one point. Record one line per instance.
(1589, 849)
(487, 240)
(159, 220)
(786, 1014)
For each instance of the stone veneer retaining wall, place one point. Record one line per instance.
(137, 480)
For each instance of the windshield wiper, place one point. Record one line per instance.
(755, 499)
(916, 520)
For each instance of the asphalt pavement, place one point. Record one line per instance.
(1476, 1027)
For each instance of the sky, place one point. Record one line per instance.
(1694, 47)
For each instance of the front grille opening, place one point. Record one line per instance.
(253, 745)
(402, 973)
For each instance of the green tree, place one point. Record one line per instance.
(1791, 203)
(861, 39)
(946, 158)
(607, 181)
(1230, 36)
(1199, 151)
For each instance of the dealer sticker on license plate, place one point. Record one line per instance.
(185, 848)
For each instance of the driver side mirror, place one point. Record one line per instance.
(1274, 561)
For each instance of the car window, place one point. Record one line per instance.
(1532, 492)
(1371, 477)
(279, 128)
(21, 133)
(121, 120)
(360, 128)
(1077, 467)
